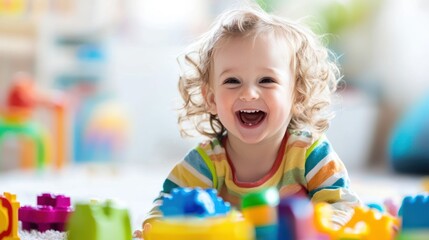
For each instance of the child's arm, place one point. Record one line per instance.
(328, 181)
(190, 172)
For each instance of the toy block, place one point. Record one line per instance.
(379, 226)
(231, 227)
(8, 217)
(323, 213)
(260, 208)
(97, 221)
(51, 213)
(377, 206)
(195, 202)
(366, 223)
(296, 218)
(413, 235)
(414, 210)
(392, 207)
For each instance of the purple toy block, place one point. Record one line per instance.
(51, 213)
(296, 219)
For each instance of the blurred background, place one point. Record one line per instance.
(112, 66)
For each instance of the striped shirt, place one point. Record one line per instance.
(302, 166)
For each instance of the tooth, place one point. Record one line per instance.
(249, 111)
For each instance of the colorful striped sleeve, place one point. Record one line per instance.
(193, 171)
(328, 180)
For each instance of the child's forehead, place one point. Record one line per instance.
(271, 39)
(262, 52)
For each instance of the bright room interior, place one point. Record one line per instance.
(116, 60)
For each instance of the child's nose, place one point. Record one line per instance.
(249, 93)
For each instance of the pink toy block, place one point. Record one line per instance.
(8, 217)
(51, 213)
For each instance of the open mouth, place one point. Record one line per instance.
(251, 117)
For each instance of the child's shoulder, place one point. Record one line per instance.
(211, 144)
(304, 138)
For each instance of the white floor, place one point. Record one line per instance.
(135, 187)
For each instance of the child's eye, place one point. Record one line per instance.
(267, 80)
(231, 81)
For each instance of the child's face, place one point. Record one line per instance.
(252, 88)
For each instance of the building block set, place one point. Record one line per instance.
(89, 221)
(99, 126)
(16, 119)
(194, 213)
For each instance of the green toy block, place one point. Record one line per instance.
(95, 221)
(413, 235)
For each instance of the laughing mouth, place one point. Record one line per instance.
(251, 117)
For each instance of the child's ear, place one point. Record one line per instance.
(209, 100)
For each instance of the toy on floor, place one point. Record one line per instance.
(294, 218)
(192, 214)
(96, 221)
(15, 118)
(415, 221)
(51, 213)
(229, 227)
(8, 217)
(260, 208)
(409, 143)
(194, 202)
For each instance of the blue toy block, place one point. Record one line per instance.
(194, 202)
(415, 210)
(377, 206)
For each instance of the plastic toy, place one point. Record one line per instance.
(408, 147)
(366, 223)
(97, 221)
(32, 135)
(391, 207)
(378, 226)
(231, 227)
(100, 130)
(414, 211)
(260, 208)
(51, 213)
(16, 118)
(8, 217)
(296, 219)
(377, 206)
(194, 202)
(195, 213)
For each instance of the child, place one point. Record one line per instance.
(259, 87)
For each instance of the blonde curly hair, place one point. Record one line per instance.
(316, 72)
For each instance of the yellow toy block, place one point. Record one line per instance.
(9, 217)
(368, 224)
(230, 227)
